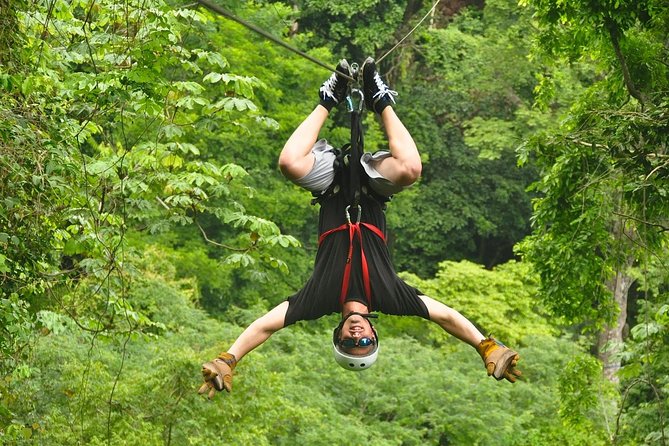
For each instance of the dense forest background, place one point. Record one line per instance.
(144, 222)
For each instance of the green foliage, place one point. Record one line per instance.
(104, 114)
(355, 30)
(474, 84)
(644, 374)
(581, 388)
(117, 108)
(566, 259)
(588, 189)
(138, 147)
(98, 395)
(489, 137)
(502, 301)
(602, 195)
(602, 180)
(622, 34)
(16, 329)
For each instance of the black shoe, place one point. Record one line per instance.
(377, 94)
(335, 89)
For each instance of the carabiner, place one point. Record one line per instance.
(355, 69)
(356, 89)
(352, 106)
(348, 215)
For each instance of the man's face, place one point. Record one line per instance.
(357, 327)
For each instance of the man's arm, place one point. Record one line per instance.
(453, 322)
(259, 331)
(499, 360)
(217, 373)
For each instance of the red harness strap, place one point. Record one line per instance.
(353, 230)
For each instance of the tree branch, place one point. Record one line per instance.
(614, 33)
(656, 225)
(220, 245)
(587, 144)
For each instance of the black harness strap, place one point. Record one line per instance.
(355, 231)
(354, 166)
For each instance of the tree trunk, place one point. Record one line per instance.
(610, 339)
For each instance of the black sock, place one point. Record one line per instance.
(328, 103)
(381, 104)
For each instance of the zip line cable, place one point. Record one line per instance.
(225, 13)
(218, 10)
(410, 32)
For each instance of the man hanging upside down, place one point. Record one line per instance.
(353, 273)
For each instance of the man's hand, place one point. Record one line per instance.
(500, 361)
(217, 374)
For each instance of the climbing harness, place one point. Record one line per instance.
(357, 142)
(355, 231)
(350, 176)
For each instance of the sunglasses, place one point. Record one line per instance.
(350, 342)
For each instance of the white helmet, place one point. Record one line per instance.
(353, 362)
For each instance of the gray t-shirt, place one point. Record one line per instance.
(322, 174)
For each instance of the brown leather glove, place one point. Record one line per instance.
(500, 361)
(217, 374)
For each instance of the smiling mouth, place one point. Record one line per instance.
(356, 324)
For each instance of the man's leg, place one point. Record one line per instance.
(296, 159)
(404, 167)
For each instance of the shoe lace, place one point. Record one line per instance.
(329, 86)
(383, 88)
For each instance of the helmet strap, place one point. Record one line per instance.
(365, 315)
